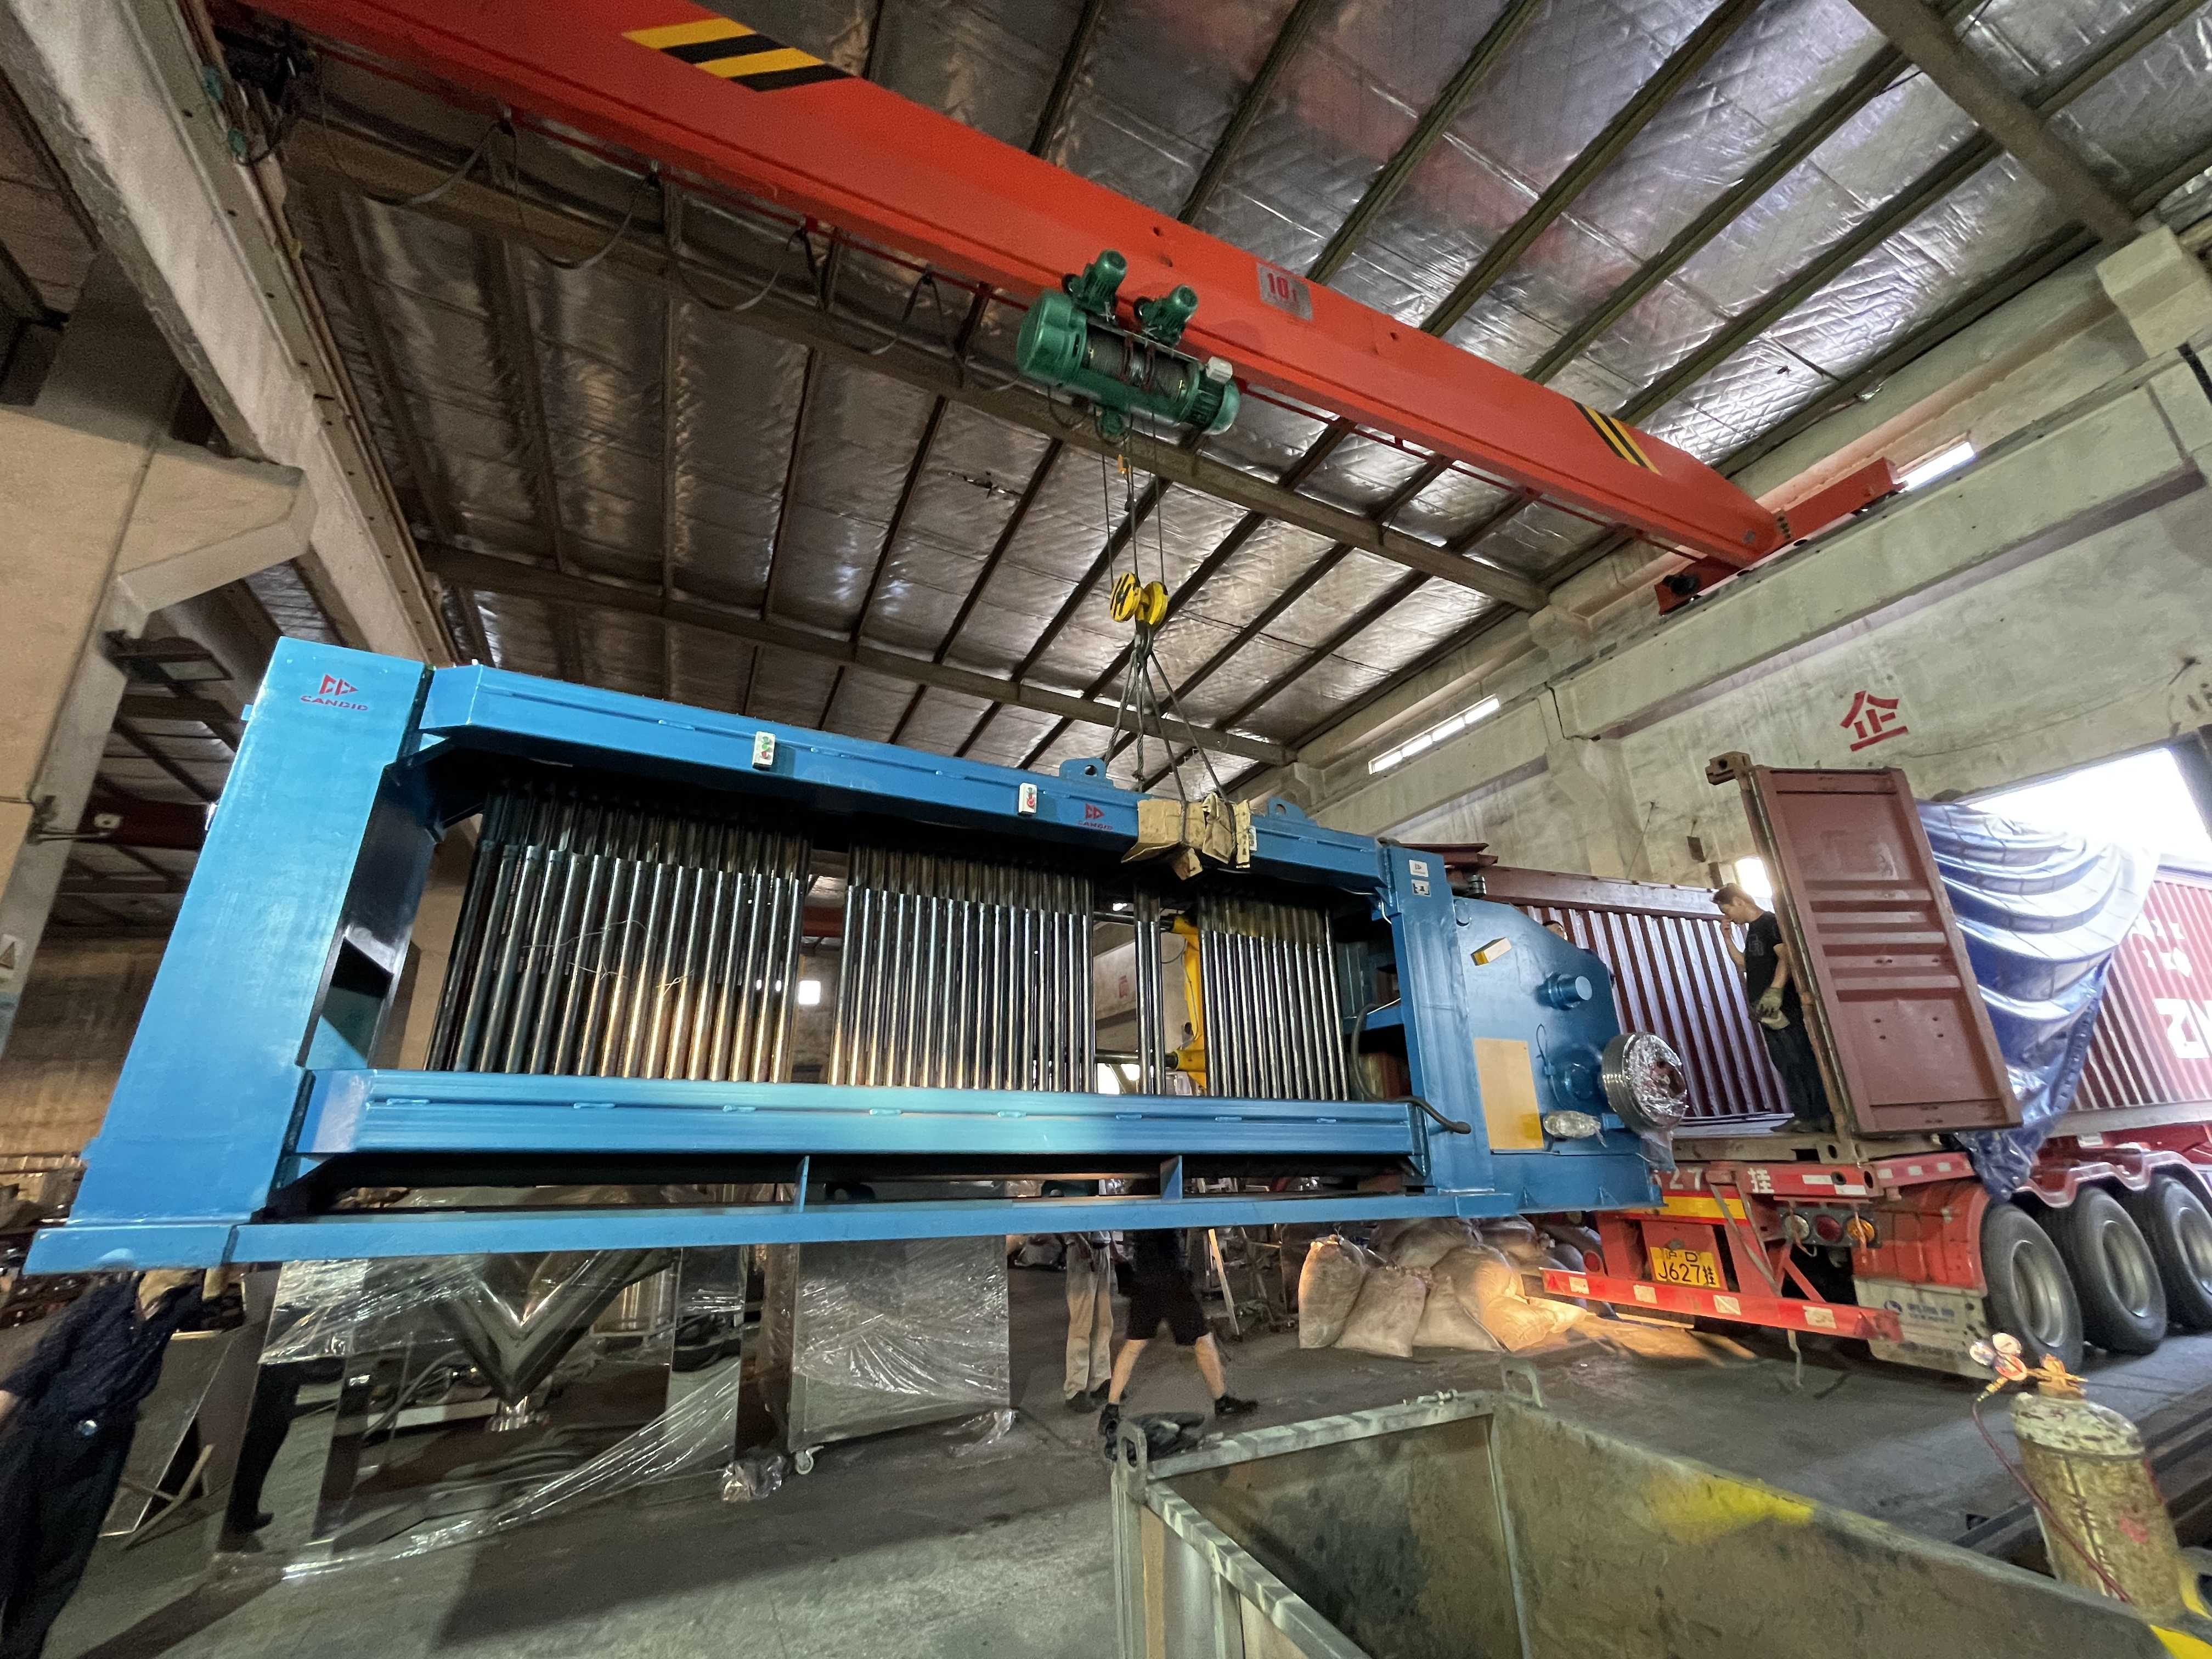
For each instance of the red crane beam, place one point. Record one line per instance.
(695, 91)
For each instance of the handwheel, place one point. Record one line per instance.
(2030, 1295)
(2114, 1273)
(2177, 1227)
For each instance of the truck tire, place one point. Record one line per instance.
(2030, 1294)
(2115, 1274)
(2179, 1228)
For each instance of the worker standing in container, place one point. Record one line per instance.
(1769, 982)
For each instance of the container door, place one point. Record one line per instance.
(1903, 1042)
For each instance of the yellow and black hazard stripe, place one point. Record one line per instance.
(732, 52)
(1617, 438)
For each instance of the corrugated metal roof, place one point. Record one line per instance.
(687, 450)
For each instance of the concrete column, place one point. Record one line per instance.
(110, 520)
(2160, 288)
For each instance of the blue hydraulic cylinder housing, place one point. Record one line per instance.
(260, 1071)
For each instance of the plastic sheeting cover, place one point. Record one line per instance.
(2042, 916)
(867, 1336)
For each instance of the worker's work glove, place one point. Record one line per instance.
(1770, 1009)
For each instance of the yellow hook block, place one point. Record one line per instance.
(1139, 602)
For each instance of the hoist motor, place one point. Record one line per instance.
(1071, 340)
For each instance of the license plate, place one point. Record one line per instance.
(1699, 1269)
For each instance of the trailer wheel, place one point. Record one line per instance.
(2179, 1229)
(2030, 1294)
(2123, 1300)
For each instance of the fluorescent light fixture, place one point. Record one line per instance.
(1943, 461)
(810, 993)
(1436, 734)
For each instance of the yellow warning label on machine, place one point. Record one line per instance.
(1510, 1111)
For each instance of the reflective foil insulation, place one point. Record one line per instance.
(607, 935)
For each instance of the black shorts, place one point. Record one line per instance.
(1170, 1299)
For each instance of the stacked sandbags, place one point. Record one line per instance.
(1449, 1320)
(1387, 1313)
(1327, 1286)
(1432, 1282)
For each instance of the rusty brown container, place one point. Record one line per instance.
(2152, 1045)
(1903, 1039)
(1672, 976)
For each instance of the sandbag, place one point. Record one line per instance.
(1493, 1284)
(1517, 1238)
(1424, 1244)
(1387, 1314)
(1519, 1324)
(1384, 1239)
(1328, 1284)
(1445, 1321)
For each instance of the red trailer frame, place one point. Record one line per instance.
(1902, 1209)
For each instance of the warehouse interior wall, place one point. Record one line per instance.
(2039, 611)
(71, 1033)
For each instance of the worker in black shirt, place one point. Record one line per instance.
(1162, 1294)
(67, 1415)
(1771, 983)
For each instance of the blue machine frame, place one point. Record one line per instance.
(250, 1070)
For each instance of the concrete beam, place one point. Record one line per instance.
(1927, 39)
(485, 574)
(2161, 289)
(115, 88)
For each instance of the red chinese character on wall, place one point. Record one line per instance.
(1871, 719)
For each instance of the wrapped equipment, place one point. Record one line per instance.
(867, 1336)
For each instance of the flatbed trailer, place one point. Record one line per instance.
(1890, 1236)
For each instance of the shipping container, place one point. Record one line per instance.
(2152, 1048)
(1903, 1039)
(1887, 1229)
(1667, 948)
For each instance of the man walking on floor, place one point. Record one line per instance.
(1162, 1295)
(1769, 982)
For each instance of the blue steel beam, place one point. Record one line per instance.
(383, 1111)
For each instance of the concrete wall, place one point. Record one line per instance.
(71, 1034)
(2045, 609)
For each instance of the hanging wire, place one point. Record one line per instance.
(421, 198)
(511, 184)
(672, 202)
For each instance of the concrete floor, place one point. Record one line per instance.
(899, 1545)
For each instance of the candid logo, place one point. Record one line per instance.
(333, 693)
